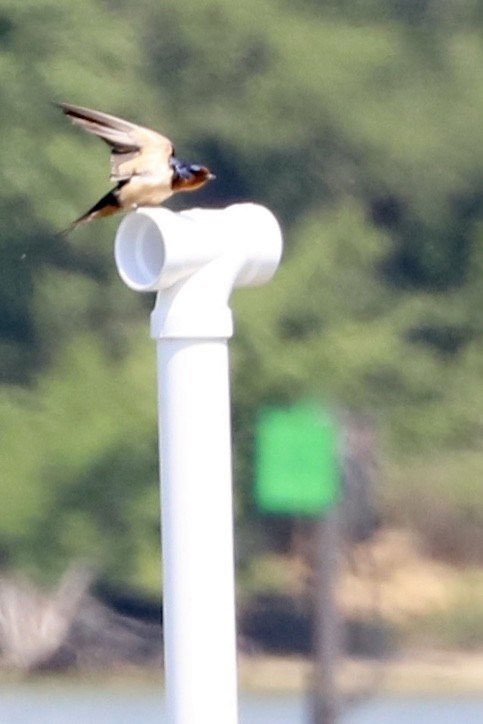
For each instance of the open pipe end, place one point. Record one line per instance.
(140, 252)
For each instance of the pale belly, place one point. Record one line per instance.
(142, 192)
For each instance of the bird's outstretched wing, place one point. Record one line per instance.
(135, 150)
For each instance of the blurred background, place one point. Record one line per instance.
(359, 124)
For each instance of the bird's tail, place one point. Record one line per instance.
(109, 204)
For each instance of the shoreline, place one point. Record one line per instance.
(411, 673)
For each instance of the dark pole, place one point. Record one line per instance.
(327, 630)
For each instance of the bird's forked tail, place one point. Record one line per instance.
(106, 206)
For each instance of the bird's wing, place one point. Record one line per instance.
(135, 150)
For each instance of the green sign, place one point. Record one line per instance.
(297, 460)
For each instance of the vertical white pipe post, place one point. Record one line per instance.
(193, 260)
(199, 620)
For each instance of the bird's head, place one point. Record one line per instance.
(188, 177)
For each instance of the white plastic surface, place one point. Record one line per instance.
(197, 257)
(194, 259)
(197, 532)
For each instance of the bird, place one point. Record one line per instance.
(144, 165)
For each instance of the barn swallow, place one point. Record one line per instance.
(143, 164)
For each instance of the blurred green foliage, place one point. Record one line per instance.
(358, 124)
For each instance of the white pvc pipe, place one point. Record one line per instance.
(194, 259)
(199, 614)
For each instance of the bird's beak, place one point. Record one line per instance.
(211, 176)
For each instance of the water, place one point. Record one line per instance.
(46, 705)
(443, 710)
